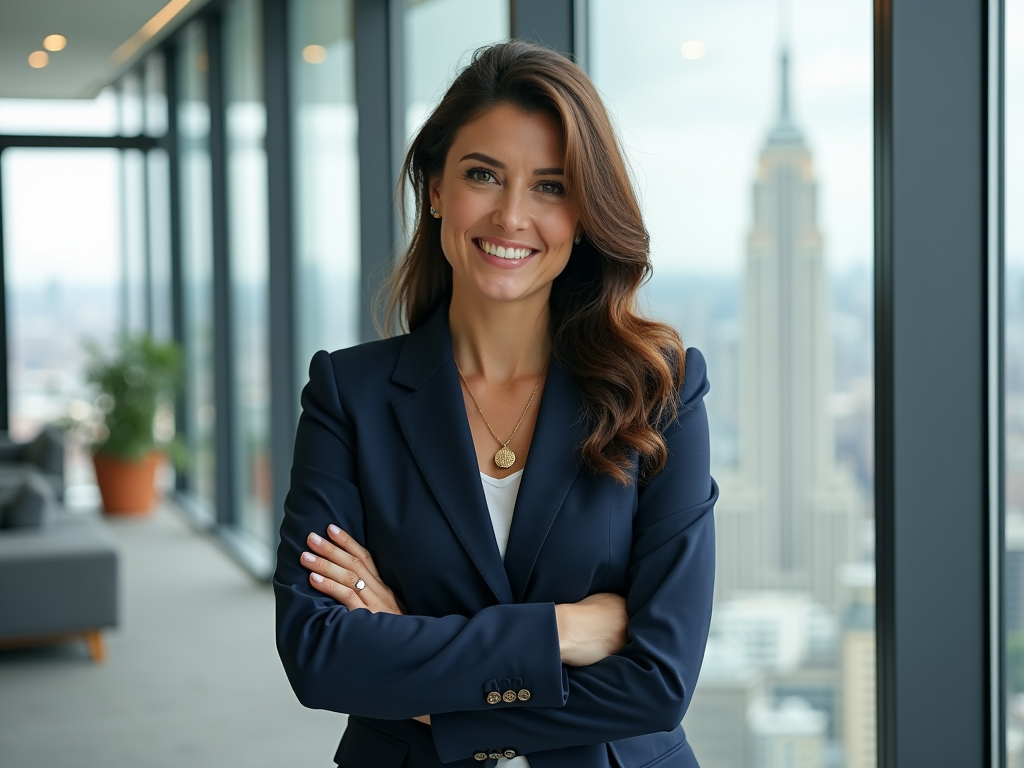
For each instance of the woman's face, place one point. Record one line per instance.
(507, 226)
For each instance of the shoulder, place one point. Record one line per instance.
(355, 370)
(371, 356)
(695, 379)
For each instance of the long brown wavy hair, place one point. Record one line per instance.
(629, 368)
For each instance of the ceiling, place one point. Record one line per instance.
(94, 30)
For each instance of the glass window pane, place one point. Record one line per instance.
(751, 149)
(135, 291)
(63, 117)
(156, 94)
(246, 126)
(1013, 597)
(326, 178)
(197, 262)
(158, 175)
(131, 104)
(440, 36)
(62, 233)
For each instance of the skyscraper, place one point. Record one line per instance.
(788, 514)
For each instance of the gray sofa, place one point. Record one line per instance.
(58, 570)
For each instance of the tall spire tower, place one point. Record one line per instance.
(794, 510)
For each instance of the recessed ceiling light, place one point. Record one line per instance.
(55, 42)
(314, 54)
(693, 49)
(38, 59)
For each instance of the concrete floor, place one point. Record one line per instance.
(192, 676)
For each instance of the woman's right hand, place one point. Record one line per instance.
(591, 629)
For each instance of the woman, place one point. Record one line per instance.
(498, 543)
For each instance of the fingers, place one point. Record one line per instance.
(353, 548)
(332, 571)
(342, 568)
(338, 556)
(347, 596)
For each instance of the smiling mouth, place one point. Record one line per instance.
(510, 254)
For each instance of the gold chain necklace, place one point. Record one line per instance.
(505, 457)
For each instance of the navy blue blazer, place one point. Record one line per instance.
(384, 450)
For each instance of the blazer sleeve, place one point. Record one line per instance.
(646, 686)
(378, 664)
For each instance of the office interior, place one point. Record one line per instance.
(829, 190)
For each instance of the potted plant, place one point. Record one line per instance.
(137, 384)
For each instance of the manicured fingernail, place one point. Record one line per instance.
(318, 578)
(315, 539)
(334, 529)
(309, 557)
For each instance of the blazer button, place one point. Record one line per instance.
(493, 698)
(510, 753)
(495, 755)
(509, 696)
(524, 695)
(480, 756)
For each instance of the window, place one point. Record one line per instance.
(440, 36)
(62, 237)
(248, 257)
(751, 148)
(196, 237)
(1013, 594)
(326, 178)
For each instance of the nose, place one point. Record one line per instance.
(511, 212)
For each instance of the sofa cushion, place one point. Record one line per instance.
(32, 505)
(46, 450)
(61, 579)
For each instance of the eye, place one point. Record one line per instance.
(482, 175)
(551, 188)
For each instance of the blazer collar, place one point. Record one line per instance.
(434, 422)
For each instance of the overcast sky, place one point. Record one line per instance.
(693, 128)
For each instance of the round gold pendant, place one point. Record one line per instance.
(504, 458)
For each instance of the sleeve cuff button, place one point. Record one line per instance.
(524, 695)
(510, 753)
(509, 696)
(495, 755)
(493, 697)
(480, 756)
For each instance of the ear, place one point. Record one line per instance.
(434, 188)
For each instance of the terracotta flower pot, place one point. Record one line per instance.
(127, 487)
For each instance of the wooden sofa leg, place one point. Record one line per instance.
(94, 641)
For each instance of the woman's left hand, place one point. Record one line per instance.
(339, 565)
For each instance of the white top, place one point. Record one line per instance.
(501, 496)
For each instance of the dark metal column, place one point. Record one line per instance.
(550, 22)
(4, 370)
(170, 145)
(931, 384)
(284, 398)
(996, 244)
(222, 369)
(381, 104)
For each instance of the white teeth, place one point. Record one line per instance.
(504, 253)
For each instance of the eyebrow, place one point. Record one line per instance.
(500, 165)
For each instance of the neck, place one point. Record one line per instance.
(499, 340)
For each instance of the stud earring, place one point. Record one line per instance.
(577, 239)
(434, 213)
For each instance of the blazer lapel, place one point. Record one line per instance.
(433, 420)
(551, 466)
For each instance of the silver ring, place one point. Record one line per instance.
(360, 585)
